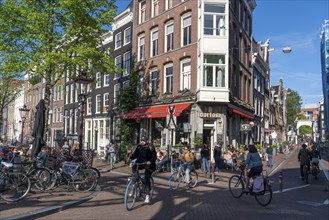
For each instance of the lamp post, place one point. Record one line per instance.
(23, 112)
(172, 127)
(82, 82)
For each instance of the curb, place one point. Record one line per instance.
(53, 209)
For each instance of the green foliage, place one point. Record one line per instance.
(197, 141)
(47, 38)
(294, 103)
(285, 143)
(301, 117)
(258, 146)
(304, 130)
(273, 146)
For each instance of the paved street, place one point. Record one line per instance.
(206, 201)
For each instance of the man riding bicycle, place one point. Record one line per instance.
(145, 153)
(188, 159)
(304, 159)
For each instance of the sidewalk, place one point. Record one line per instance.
(44, 203)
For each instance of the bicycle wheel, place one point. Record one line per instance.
(15, 187)
(84, 180)
(305, 174)
(130, 195)
(41, 178)
(265, 197)
(236, 186)
(193, 179)
(174, 180)
(98, 174)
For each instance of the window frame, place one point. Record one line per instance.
(141, 47)
(118, 41)
(214, 15)
(182, 74)
(127, 37)
(98, 103)
(126, 63)
(214, 75)
(189, 32)
(153, 86)
(169, 37)
(154, 42)
(168, 84)
(142, 11)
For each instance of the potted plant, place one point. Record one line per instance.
(273, 146)
(197, 141)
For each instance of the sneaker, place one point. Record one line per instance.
(147, 199)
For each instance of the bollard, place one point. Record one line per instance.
(281, 181)
(212, 173)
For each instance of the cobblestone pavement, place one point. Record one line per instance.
(209, 200)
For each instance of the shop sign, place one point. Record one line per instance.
(209, 115)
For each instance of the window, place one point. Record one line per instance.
(72, 91)
(141, 47)
(186, 26)
(101, 129)
(106, 100)
(126, 63)
(89, 106)
(118, 66)
(214, 19)
(116, 92)
(154, 42)
(169, 4)
(127, 36)
(98, 103)
(168, 78)
(106, 79)
(142, 11)
(98, 80)
(154, 74)
(118, 40)
(185, 74)
(140, 86)
(67, 89)
(169, 37)
(155, 7)
(214, 70)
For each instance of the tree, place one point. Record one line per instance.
(305, 130)
(294, 103)
(10, 89)
(44, 39)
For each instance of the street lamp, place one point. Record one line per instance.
(171, 126)
(82, 82)
(23, 112)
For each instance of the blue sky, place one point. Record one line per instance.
(294, 23)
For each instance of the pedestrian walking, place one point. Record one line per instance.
(111, 155)
(269, 153)
(304, 159)
(205, 158)
(217, 157)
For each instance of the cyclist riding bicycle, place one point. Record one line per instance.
(254, 163)
(188, 159)
(145, 152)
(315, 156)
(304, 159)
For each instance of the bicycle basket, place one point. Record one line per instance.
(70, 167)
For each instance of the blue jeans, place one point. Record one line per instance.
(218, 164)
(269, 162)
(188, 167)
(205, 164)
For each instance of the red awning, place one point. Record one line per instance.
(159, 111)
(246, 115)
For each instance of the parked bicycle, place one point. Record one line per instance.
(14, 186)
(72, 173)
(136, 188)
(178, 176)
(237, 186)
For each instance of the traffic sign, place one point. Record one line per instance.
(245, 127)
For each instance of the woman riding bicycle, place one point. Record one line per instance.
(315, 156)
(145, 153)
(254, 163)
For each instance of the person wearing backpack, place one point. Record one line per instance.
(188, 159)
